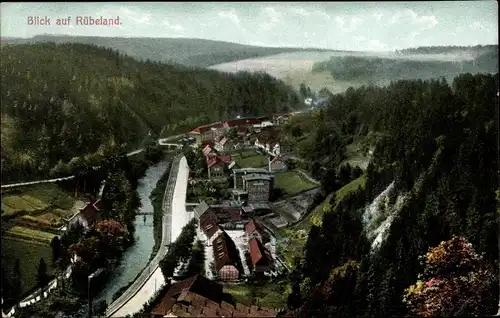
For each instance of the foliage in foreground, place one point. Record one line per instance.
(454, 282)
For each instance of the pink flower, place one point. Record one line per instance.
(432, 282)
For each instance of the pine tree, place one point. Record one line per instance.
(17, 283)
(42, 277)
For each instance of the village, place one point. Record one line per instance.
(238, 224)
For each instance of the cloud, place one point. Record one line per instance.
(300, 11)
(378, 16)
(478, 26)
(348, 24)
(231, 16)
(173, 27)
(407, 15)
(414, 34)
(127, 14)
(377, 45)
(273, 18)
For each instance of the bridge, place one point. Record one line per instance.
(151, 278)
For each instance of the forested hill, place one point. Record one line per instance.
(473, 50)
(185, 51)
(372, 69)
(62, 101)
(433, 175)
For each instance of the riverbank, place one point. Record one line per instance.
(136, 257)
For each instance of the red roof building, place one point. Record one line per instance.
(207, 150)
(226, 257)
(259, 256)
(242, 122)
(218, 159)
(200, 297)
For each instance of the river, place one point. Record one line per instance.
(136, 257)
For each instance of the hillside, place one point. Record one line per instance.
(62, 101)
(185, 51)
(474, 51)
(380, 69)
(432, 176)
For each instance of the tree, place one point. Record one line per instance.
(17, 283)
(454, 281)
(55, 244)
(42, 277)
(196, 264)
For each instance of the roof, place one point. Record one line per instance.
(225, 252)
(204, 128)
(241, 122)
(201, 208)
(250, 227)
(209, 227)
(197, 284)
(189, 303)
(90, 213)
(258, 253)
(218, 138)
(255, 176)
(260, 206)
(211, 161)
(224, 141)
(223, 213)
(232, 165)
(207, 150)
(98, 205)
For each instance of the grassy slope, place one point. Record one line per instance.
(190, 52)
(297, 234)
(292, 183)
(29, 255)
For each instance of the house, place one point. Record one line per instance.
(240, 123)
(218, 166)
(277, 164)
(223, 145)
(268, 143)
(238, 195)
(208, 151)
(219, 213)
(239, 173)
(251, 231)
(255, 229)
(226, 257)
(242, 131)
(198, 296)
(256, 209)
(259, 256)
(205, 133)
(87, 216)
(258, 186)
(227, 213)
(211, 229)
(280, 119)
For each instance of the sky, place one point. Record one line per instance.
(373, 26)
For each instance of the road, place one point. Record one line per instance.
(151, 279)
(132, 153)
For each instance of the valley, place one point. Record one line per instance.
(251, 160)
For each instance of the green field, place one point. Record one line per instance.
(271, 295)
(29, 255)
(292, 183)
(34, 200)
(249, 158)
(29, 234)
(297, 234)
